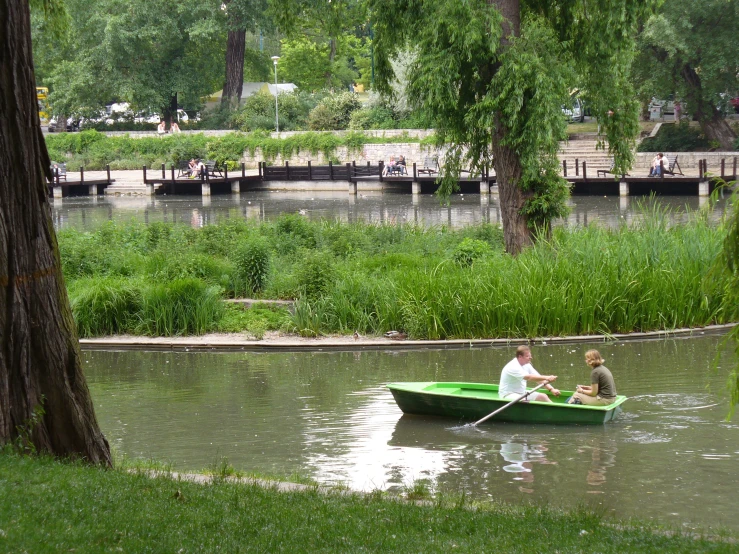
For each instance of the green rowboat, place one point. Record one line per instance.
(473, 401)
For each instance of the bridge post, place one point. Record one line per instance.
(58, 192)
(484, 187)
(623, 188)
(205, 188)
(703, 188)
(235, 187)
(351, 171)
(415, 188)
(150, 191)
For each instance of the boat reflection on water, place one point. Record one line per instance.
(520, 458)
(546, 460)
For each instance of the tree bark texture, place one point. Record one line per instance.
(714, 126)
(39, 350)
(234, 69)
(331, 57)
(508, 171)
(506, 161)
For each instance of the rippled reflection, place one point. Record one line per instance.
(90, 212)
(329, 416)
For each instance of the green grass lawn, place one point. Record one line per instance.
(48, 506)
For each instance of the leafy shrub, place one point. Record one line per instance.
(315, 275)
(221, 239)
(237, 318)
(492, 234)
(258, 111)
(162, 267)
(293, 232)
(675, 138)
(333, 112)
(83, 255)
(378, 117)
(252, 266)
(470, 250)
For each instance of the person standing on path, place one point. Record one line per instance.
(519, 370)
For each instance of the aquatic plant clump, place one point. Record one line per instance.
(429, 283)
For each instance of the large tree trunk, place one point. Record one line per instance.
(507, 163)
(714, 126)
(717, 129)
(170, 112)
(39, 351)
(234, 69)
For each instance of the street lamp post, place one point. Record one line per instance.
(277, 117)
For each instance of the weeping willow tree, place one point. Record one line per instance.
(494, 74)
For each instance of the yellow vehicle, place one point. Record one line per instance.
(42, 95)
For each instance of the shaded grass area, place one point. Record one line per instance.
(48, 506)
(431, 283)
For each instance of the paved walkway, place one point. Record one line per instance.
(275, 341)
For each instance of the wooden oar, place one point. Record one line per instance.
(511, 403)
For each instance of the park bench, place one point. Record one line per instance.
(59, 171)
(212, 168)
(672, 168)
(397, 170)
(183, 169)
(604, 172)
(430, 166)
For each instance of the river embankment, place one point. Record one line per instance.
(275, 341)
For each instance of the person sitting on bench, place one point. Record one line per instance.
(400, 165)
(390, 168)
(656, 169)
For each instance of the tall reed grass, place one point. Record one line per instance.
(181, 307)
(432, 283)
(104, 306)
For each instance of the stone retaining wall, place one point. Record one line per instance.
(689, 161)
(373, 153)
(414, 152)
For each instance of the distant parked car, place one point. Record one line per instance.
(72, 125)
(668, 106)
(576, 111)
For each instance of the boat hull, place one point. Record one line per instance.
(473, 401)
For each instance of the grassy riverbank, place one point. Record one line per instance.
(48, 506)
(163, 280)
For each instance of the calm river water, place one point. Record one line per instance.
(670, 457)
(90, 212)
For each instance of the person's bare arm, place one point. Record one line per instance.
(589, 391)
(539, 378)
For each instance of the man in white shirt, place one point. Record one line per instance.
(519, 370)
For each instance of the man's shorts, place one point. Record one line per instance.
(516, 395)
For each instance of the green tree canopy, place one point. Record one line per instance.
(149, 54)
(321, 32)
(690, 49)
(495, 74)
